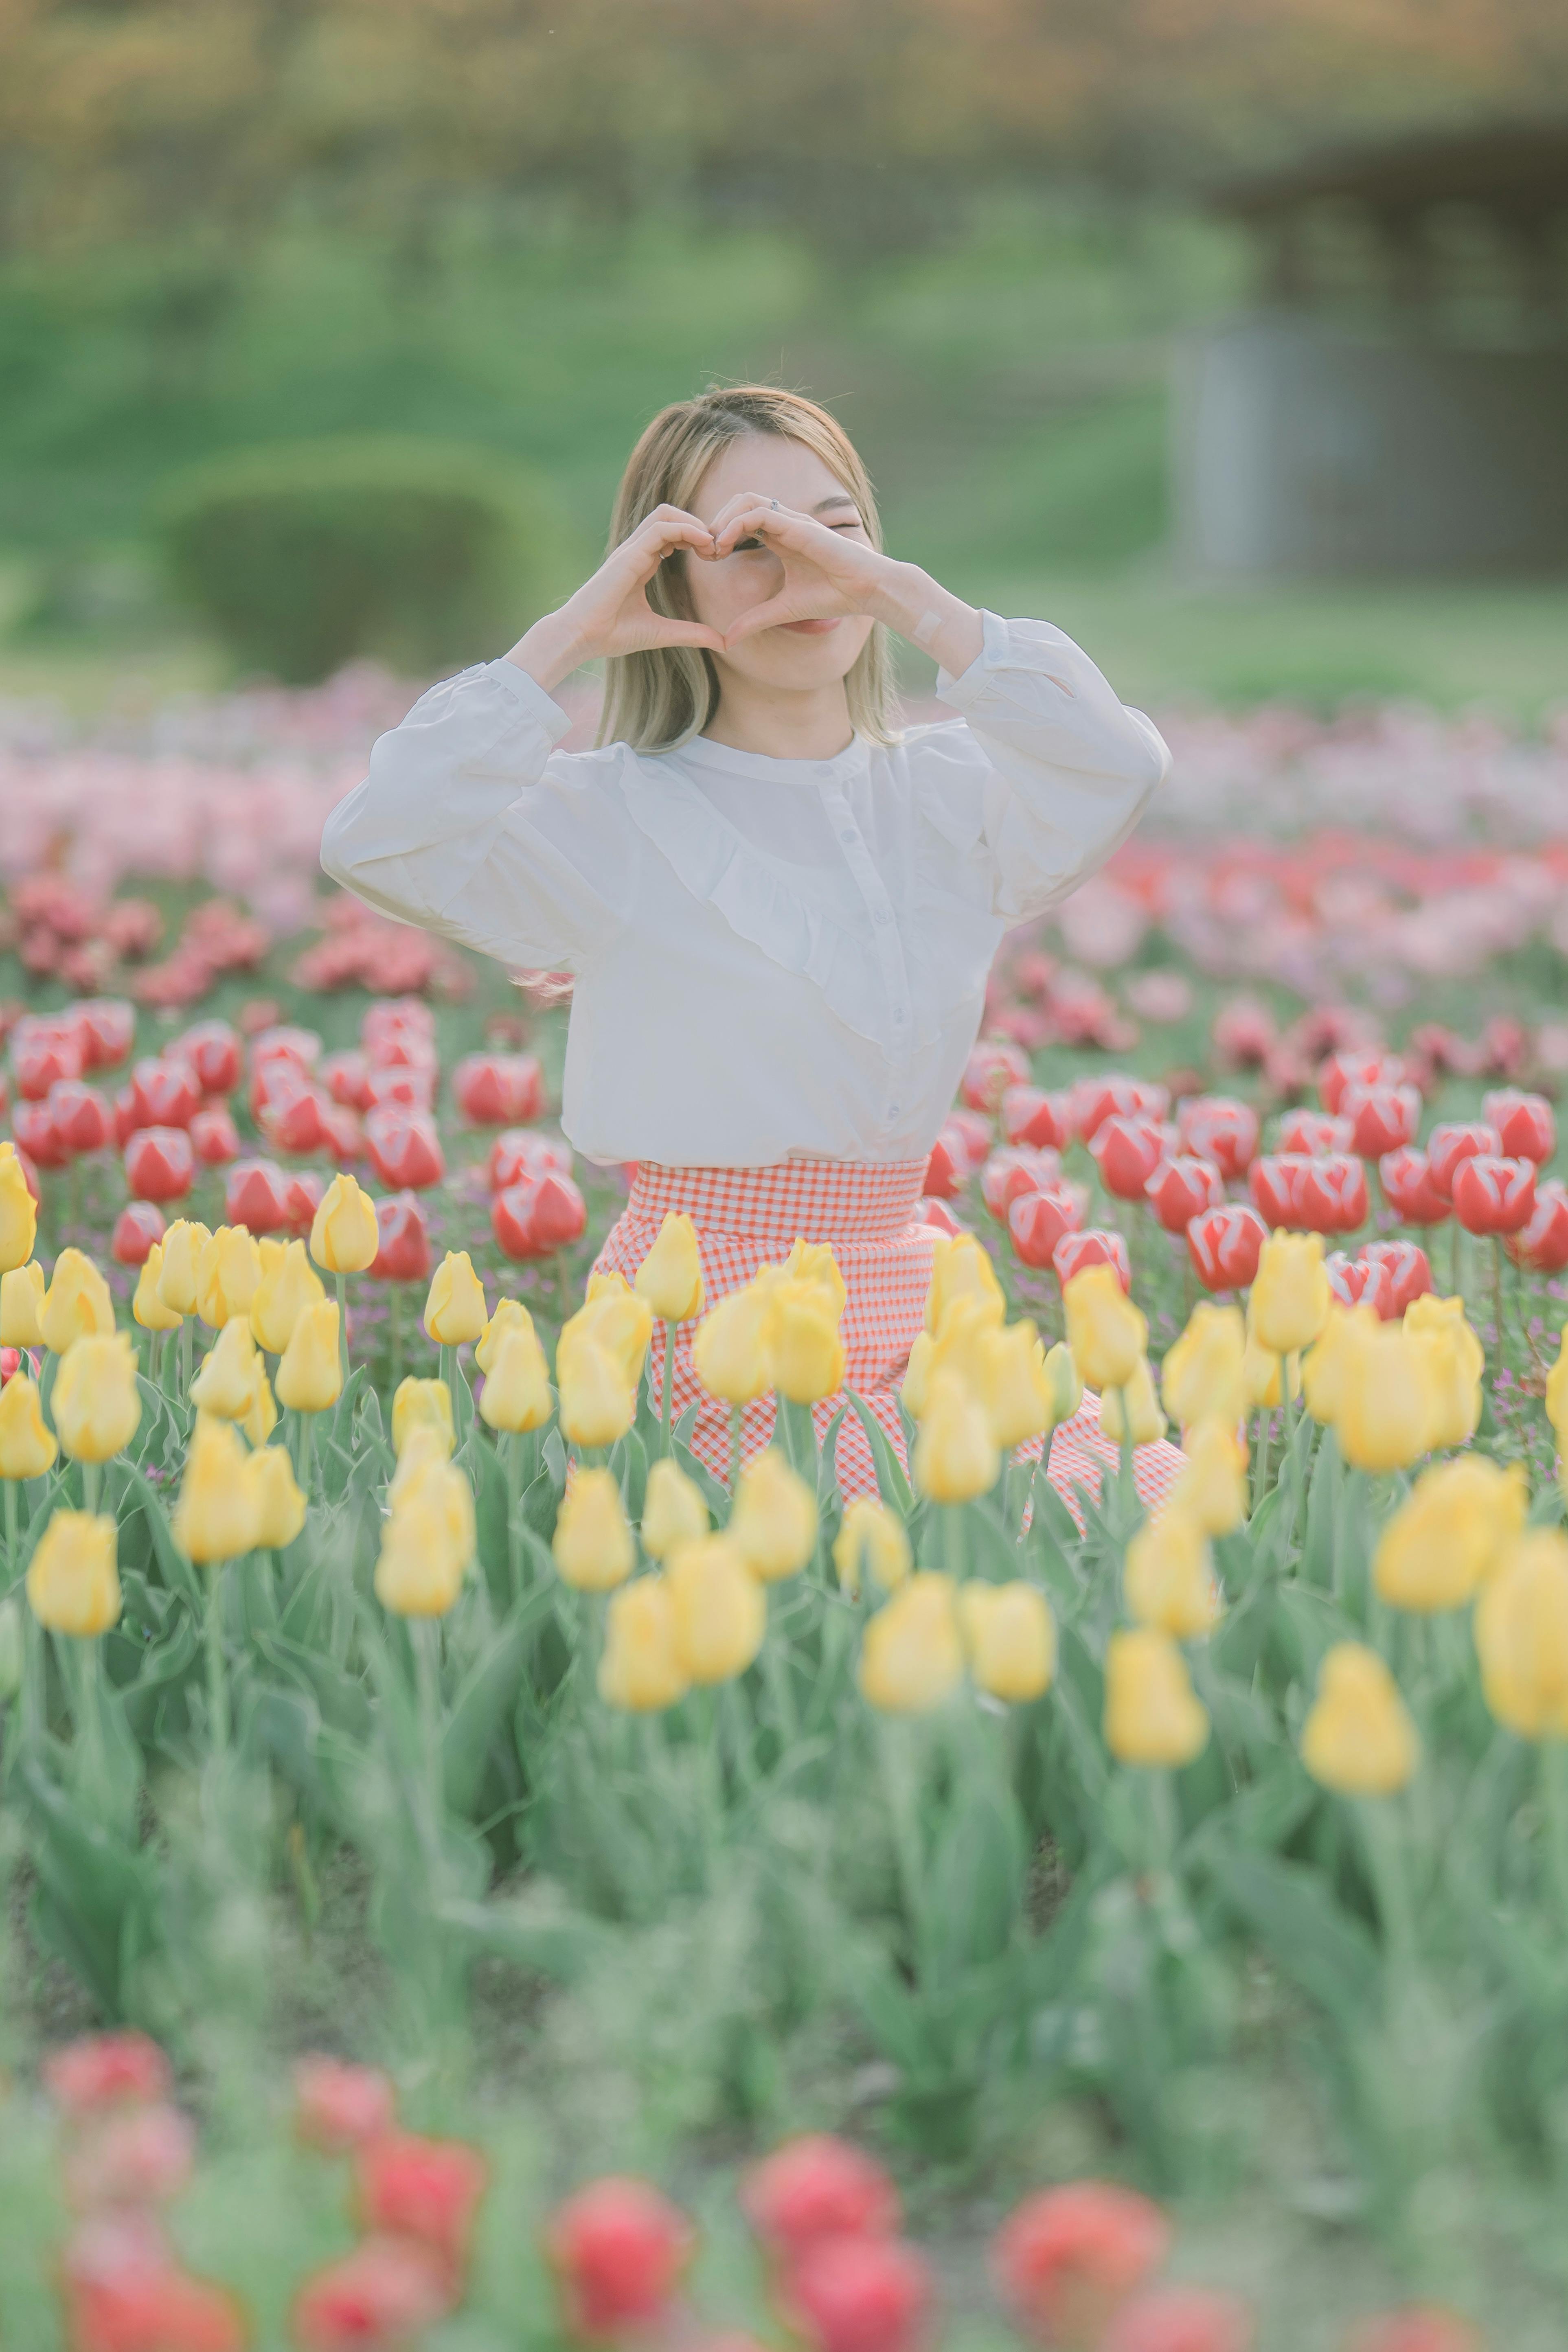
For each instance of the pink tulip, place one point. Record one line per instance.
(1493, 1195)
(1331, 1195)
(1382, 1117)
(1218, 1129)
(1094, 1100)
(1446, 1146)
(1542, 1243)
(992, 1067)
(1030, 1116)
(137, 1227)
(1409, 1272)
(1306, 1133)
(1276, 1183)
(1407, 1187)
(164, 1093)
(499, 1089)
(524, 1151)
(1014, 1171)
(34, 1131)
(159, 1164)
(1182, 1188)
(1362, 1281)
(214, 1051)
(1037, 1221)
(814, 2188)
(1526, 1125)
(538, 1216)
(1126, 1151)
(1366, 1066)
(1095, 1247)
(257, 1197)
(107, 1027)
(404, 1252)
(214, 1139)
(1224, 1245)
(404, 1149)
(1067, 2257)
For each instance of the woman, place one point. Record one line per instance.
(780, 909)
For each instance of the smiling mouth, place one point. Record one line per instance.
(809, 628)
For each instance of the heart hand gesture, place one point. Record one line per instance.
(827, 573)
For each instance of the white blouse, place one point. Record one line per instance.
(774, 958)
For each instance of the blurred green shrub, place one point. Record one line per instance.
(305, 555)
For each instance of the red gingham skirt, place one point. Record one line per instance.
(750, 1217)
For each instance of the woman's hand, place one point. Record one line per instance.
(831, 571)
(610, 613)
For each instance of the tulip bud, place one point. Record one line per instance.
(510, 1316)
(289, 1284)
(146, 1306)
(916, 1388)
(228, 1273)
(1357, 1737)
(1168, 1580)
(1521, 1636)
(844, 2293)
(1212, 1490)
(1067, 2257)
(455, 1309)
(813, 1262)
(18, 1212)
(872, 1537)
(1010, 1636)
(517, 1394)
(960, 1269)
(1225, 1245)
(731, 1351)
(1106, 1333)
(27, 1446)
(597, 1405)
(1201, 1378)
(1290, 1295)
(345, 1234)
(669, 1279)
(911, 1657)
(673, 1511)
(1067, 1387)
(772, 1518)
(616, 1321)
(1133, 1408)
(1020, 1396)
(216, 1517)
(807, 1353)
(77, 1304)
(73, 1584)
(1153, 1715)
(21, 1301)
(1388, 1402)
(422, 1404)
(182, 1245)
(956, 1457)
(592, 1540)
(817, 2186)
(275, 1494)
(720, 1610)
(310, 1371)
(95, 1404)
(226, 1384)
(641, 1669)
(426, 1544)
(618, 2250)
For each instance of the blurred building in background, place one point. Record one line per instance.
(1397, 401)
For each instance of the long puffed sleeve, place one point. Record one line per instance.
(1064, 770)
(471, 824)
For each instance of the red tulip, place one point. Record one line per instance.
(1094, 1100)
(106, 1026)
(937, 1213)
(1492, 1196)
(1075, 1251)
(410, 1084)
(303, 1199)
(1224, 1244)
(1014, 1170)
(1542, 1243)
(859, 2295)
(1382, 1117)
(125, 1109)
(1408, 1189)
(214, 1051)
(164, 1093)
(1365, 1065)
(404, 1252)
(1218, 1129)
(293, 1111)
(1362, 1281)
(1526, 1125)
(100, 2070)
(139, 2155)
(346, 1077)
(817, 2187)
(257, 1197)
(499, 1089)
(159, 1163)
(524, 1151)
(123, 2292)
(538, 1216)
(80, 1116)
(427, 2190)
(1446, 1146)
(1031, 1116)
(282, 1044)
(1409, 1272)
(1180, 2319)
(1038, 1221)
(137, 1228)
(1331, 1195)
(342, 1132)
(947, 1169)
(1243, 1033)
(41, 1055)
(1419, 2328)
(390, 1031)
(971, 1132)
(618, 2249)
(404, 1149)
(1305, 1133)
(382, 2295)
(33, 1129)
(1067, 2257)
(1181, 1189)
(1275, 1182)
(992, 1067)
(214, 1139)
(338, 2107)
(1126, 1152)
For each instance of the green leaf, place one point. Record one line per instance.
(485, 1700)
(1290, 1906)
(895, 1488)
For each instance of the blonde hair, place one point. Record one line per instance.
(656, 700)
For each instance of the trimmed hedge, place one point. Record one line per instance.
(305, 555)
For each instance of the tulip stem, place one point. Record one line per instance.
(343, 1283)
(1555, 1792)
(514, 1513)
(306, 1451)
(10, 1487)
(1497, 1295)
(667, 1408)
(952, 1541)
(91, 1472)
(1261, 1474)
(218, 1684)
(394, 1329)
(184, 1354)
(1456, 1271)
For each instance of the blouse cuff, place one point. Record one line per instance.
(998, 651)
(534, 704)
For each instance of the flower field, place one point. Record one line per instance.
(704, 1898)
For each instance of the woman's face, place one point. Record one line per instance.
(798, 655)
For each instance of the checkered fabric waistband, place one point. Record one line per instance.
(796, 1200)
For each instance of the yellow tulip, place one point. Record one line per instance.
(1358, 1739)
(961, 1343)
(426, 1547)
(807, 1353)
(226, 1384)
(517, 1394)
(1212, 1489)
(955, 1455)
(1430, 1313)
(673, 1511)
(1106, 1333)
(615, 1320)
(1168, 1576)
(1066, 1382)
(310, 1371)
(871, 1537)
(911, 1658)
(455, 1310)
(19, 1215)
(344, 1236)
(1454, 1385)
(228, 1274)
(425, 1448)
(1324, 1366)
(1017, 1387)
(1134, 1407)
(1201, 1378)
(422, 1404)
(21, 1298)
(1386, 1401)
(146, 1306)
(733, 1349)
(641, 1669)
(721, 1611)
(814, 1262)
(1522, 1637)
(77, 1304)
(1260, 1375)
(1290, 1295)
(960, 1269)
(279, 1504)
(1010, 1636)
(916, 1385)
(510, 1316)
(1153, 1715)
(96, 1405)
(1459, 1521)
(772, 1519)
(289, 1284)
(73, 1582)
(592, 1540)
(669, 1279)
(259, 1418)
(27, 1446)
(426, 1476)
(216, 1517)
(182, 1243)
(597, 1405)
